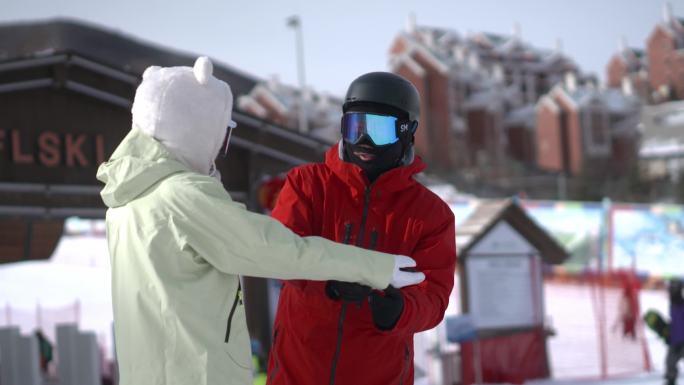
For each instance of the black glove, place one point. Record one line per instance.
(386, 309)
(347, 291)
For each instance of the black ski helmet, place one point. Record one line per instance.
(391, 94)
(384, 88)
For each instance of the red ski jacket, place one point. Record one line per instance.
(313, 341)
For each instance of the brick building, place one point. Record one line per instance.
(656, 75)
(478, 94)
(627, 69)
(665, 47)
(579, 125)
(274, 101)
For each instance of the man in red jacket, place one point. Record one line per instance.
(364, 194)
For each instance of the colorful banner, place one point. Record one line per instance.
(575, 225)
(649, 239)
(609, 236)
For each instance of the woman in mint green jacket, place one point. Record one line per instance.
(178, 243)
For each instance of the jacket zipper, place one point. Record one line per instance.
(373, 239)
(347, 233)
(406, 363)
(338, 347)
(364, 216)
(232, 311)
(343, 311)
(276, 365)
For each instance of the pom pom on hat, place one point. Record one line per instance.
(203, 69)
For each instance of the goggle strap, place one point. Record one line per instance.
(227, 142)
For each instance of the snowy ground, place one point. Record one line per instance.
(643, 379)
(575, 351)
(74, 287)
(582, 315)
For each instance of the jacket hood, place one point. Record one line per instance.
(393, 180)
(139, 162)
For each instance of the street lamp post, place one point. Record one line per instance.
(295, 23)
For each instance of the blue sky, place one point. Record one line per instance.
(345, 39)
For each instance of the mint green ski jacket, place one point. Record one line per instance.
(178, 244)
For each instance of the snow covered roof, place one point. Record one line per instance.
(490, 212)
(662, 148)
(493, 97)
(21, 40)
(674, 119)
(580, 95)
(489, 39)
(618, 102)
(438, 35)
(553, 58)
(525, 116)
(613, 99)
(488, 98)
(674, 25)
(424, 43)
(442, 43)
(635, 59)
(662, 127)
(628, 126)
(322, 110)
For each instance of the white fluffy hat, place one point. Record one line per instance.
(187, 110)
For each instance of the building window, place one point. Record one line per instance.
(596, 131)
(599, 131)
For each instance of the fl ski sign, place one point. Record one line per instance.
(52, 149)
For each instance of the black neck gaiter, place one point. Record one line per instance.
(386, 157)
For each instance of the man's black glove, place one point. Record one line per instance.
(386, 309)
(347, 291)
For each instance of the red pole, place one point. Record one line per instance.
(640, 324)
(599, 309)
(609, 236)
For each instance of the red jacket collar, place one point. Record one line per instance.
(395, 179)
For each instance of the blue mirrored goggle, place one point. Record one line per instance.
(381, 129)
